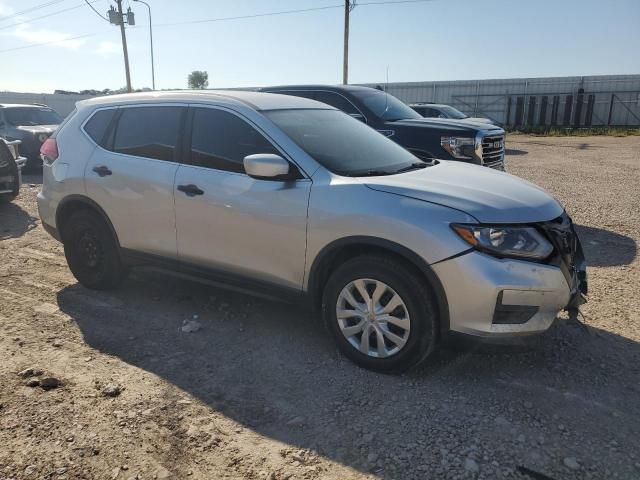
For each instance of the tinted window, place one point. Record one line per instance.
(97, 125)
(150, 132)
(451, 112)
(28, 116)
(426, 111)
(337, 101)
(341, 143)
(221, 140)
(299, 93)
(385, 106)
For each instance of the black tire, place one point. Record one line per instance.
(91, 251)
(10, 169)
(414, 292)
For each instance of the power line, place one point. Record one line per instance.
(97, 12)
(392, 2)
(55, 41)
(285, 12)
(57, 12)
(42, 5)
(221, 19)
(242, 17)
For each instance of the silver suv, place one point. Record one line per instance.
(290, 198)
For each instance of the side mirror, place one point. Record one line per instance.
(441, 116)
(267, 166)
(358, 116)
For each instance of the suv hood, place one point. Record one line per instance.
(38, 128)
(487, 194)
(466, 124)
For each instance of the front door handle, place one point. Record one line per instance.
(190, 190)
(102, 170)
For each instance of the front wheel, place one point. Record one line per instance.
(380, 313)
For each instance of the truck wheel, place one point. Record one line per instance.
(380, 313)
(91, 251)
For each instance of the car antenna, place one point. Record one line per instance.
(386, 88)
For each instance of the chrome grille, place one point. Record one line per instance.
(493, 151)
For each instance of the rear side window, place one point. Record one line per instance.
(337, 101)
(221, 140)
(150, 132)
(299, 93)
(98, 124)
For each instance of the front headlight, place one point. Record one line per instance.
(42, 137)
(458, 147)
(502, 241)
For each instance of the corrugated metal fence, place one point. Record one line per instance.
(555, 101)
(608, 100)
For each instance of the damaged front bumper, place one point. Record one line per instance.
(499, 298)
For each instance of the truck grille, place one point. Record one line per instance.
(493, 151)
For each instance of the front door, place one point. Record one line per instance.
(230, 222)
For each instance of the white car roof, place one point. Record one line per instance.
(255, 100)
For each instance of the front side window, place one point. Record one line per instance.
(341, 143)
(220, 140)
(29, 116)
(386, 107)
(150, 132)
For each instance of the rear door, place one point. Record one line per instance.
(230, 222)
(131, 174)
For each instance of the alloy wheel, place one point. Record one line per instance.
(373, 317)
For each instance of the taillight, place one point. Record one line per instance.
(49, 151)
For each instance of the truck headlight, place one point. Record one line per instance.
(505, 241)
(42, 137)
(458, 147)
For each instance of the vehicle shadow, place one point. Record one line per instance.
(513, 151)
(604, 248)
(32, 178)
(272, 368)
(14, 221)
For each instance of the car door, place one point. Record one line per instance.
(131, 175)
(229, 222)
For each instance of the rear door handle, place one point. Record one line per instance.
(190, 190)
(102, 170)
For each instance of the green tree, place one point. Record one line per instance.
(198, 79)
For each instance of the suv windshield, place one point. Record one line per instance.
(342, 144)
(31, 116)
(453, 112)
(385, 106)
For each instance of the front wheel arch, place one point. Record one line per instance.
(338, 251)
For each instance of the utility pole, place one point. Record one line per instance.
(118, 18)
(348, 6)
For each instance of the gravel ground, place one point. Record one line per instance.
(260, 392)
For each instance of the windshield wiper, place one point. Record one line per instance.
(369, 173)
(413, 166)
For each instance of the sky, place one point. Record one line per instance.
(420, 40)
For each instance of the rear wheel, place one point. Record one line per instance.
(91, 251)
(381, 313)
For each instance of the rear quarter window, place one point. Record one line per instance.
(98, 125)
